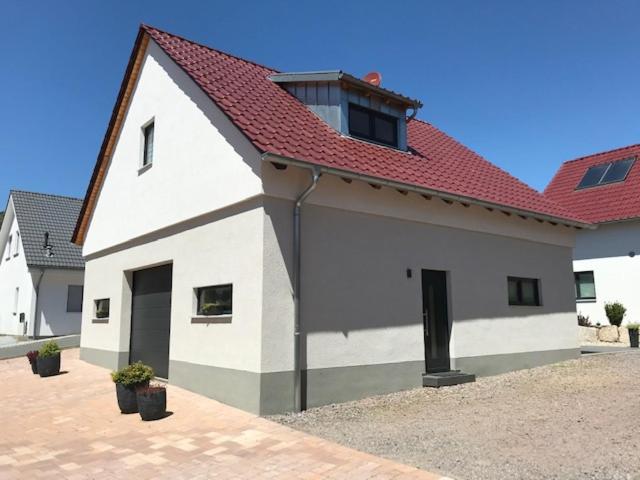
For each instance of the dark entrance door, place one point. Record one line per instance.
(151, 318)
(435, 320)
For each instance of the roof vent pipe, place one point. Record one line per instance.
(47, 246)
(297, 369)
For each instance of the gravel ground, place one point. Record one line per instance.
(570, 420)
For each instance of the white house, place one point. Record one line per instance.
(278, 241)
(604, 189)
(41, 271)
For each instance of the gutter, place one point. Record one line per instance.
(36, 317)
(425, 191)
(297, 361)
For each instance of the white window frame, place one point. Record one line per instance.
(142, 167)
(9, 243)
(16, 248)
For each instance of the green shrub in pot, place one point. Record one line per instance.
(633, 334)
(49, 359)
(127, 380)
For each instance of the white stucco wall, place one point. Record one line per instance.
(13, 274)
(200, 161)
(225, 247)
(54, 319)
(605, 251)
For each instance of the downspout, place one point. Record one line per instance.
(297, 370)
(36, 320)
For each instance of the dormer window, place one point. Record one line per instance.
(606, 173)
(372, 125)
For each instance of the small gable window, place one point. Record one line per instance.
(16, 248)
(147, 152)
(606, 173)
(372, 125)
(9, 243)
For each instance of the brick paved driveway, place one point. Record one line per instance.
(69, 426)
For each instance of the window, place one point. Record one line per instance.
(523, 291)
(371, 125)
(102, 308)
(16, 248)
(147, 152)
(214, 300)
(9, 247)
(605, 173)
(74, 298)
(585, 286)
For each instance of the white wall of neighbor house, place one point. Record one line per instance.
(359, 307)
(612, 253)
(54, 319)
(221, 248)
(16, 287)
(201, 162)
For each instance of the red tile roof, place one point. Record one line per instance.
(605, 203)
(277, 123)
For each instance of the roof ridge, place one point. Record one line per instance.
(146, 28)
(13, 190)
(635, 145)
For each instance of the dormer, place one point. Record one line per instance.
(355, 107)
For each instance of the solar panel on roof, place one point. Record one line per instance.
(605, 173)
(618, 171)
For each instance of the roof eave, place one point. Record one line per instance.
(271, 157)
(338, 75)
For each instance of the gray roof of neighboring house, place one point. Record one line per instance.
(38, 213)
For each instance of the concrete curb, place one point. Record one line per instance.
(20, 349)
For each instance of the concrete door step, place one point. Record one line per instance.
(446, 379)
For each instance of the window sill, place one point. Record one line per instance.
(586, 300)
(100, 320)
(211, 318)
(144, 168)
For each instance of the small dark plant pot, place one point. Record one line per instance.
(127, 397)
(633, 338)
(34, 366)
(152, 403)
(49, 366)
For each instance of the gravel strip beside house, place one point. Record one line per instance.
(576, 419)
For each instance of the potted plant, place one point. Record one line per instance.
(633, 334)
(615, 312)
(49, 359)
(214, 308)
(127, 380)
(32, 356)
(152, 402)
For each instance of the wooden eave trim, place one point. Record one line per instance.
(113, 130)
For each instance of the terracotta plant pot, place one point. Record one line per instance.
(49, 366)
(126, 395)
(152, 403)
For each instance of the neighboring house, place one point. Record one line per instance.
(278, 241)
(41, 271)
(604, 189)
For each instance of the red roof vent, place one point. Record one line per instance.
(373, 78)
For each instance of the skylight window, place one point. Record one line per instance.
(607, 173)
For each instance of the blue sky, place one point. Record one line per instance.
(527, 84)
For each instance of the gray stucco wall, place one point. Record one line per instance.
(361, 314)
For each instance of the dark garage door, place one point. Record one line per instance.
(151, 318)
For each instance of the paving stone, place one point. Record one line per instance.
(69, 426)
